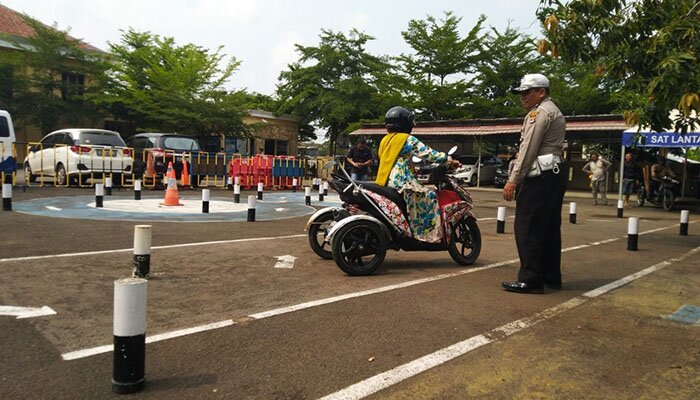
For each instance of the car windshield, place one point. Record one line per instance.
(468, 160)
(180, 144)
(99, 139)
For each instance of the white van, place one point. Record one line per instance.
(7, 142)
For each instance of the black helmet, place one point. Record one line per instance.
(399, 119)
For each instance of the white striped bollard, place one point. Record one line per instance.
(7, 197)
(229, 183)
(251, 208)
(572, 213)
(620, 208)
(320, 192)
(501, 220)
(685, 216)
(307, 195)
(236, 193)
(632, 233)
(295, 182)
(129, 358)
(237, 180)
(137, 189)
(260, 190)
(108, 186)
(142, 251)
(99, 194)
(205, 201)
(314, 184)
(325, 188)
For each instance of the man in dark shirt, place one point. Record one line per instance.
(360, 158)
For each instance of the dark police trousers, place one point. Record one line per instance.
(538, 227)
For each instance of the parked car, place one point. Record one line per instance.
(7, 141)
(73, 155)
(163, 148)
(468, 171)
(501, 177)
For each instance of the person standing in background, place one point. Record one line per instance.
(631, 175)
(597, 168)
(360, 158)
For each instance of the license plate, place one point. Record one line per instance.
(106, 153)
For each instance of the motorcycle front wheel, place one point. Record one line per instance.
(668, 200)
(317, 235)
(358, 248)
(465, 243)
(641, 196)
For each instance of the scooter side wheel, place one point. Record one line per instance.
(317, 235)
(358, 248)
(465, 243)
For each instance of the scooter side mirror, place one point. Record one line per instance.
(452, 150)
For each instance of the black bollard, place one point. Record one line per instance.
(685, 216)
(205, 201)
(7, 197)
(307, 196)
(137, 189)
(572, 213)
(251, 208)
(99, 194)
(129, 358)
(620, 208)
(632, 233)
(501, 220)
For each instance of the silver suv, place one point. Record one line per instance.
(71, 155)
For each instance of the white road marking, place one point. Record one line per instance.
(172, 246)
(74, 355)
(386, 379)
(26, 312)
(286, 262)
(53, 208)
(280, 209)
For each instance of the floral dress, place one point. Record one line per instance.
(421, 202)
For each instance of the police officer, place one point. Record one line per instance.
(540, 180)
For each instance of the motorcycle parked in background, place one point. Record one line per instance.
(665, 195)
(373, 218)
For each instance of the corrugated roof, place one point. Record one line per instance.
(13, 24)
(589, 123)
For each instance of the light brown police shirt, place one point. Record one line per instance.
(543, 133)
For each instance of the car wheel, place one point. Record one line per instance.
(61, 176)
(465, 243)
(28, 176)
(472, 180)
(358, 248)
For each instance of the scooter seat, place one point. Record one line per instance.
(390, 193)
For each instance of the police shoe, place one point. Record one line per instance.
(552, 285)
(522, 287)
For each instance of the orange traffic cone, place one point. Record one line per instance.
(185, 176)
(171, 197)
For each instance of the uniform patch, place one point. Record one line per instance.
(533, 115)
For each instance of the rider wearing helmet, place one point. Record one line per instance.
(395, 170)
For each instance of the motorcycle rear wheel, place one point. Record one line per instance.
(358, 248)
(317, 235)
(465, 243)
(641, 196)
(668, 200)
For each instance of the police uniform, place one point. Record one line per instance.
(539, 201)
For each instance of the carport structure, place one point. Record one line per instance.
(441, 135)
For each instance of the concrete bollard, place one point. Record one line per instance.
(620, 208)
(325, 188)
(501, 220)
(307, 195)
(137, 189)
(99, 194)
(229, 183)
(7, 197)
(205, 201)
(685, 216)
(572, 213)
(260, 190)
(129, 359)
(314, 183)
(295, 182)
(251, 208)
(142, 251)
(320, 192)
(108, 186)
(236, 193)
(632, 233)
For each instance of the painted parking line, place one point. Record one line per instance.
(315, 303)
(170, 246)
(389, 378)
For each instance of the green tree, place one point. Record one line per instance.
(48, 80)
(647, 51)
(334, 84)
(437, 70)
(159, 85)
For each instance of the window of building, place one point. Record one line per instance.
(72, 85)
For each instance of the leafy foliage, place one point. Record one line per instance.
(646, 50)
(162, 86)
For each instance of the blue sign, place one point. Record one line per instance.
(661, 139)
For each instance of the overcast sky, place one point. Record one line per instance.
(262, 33)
